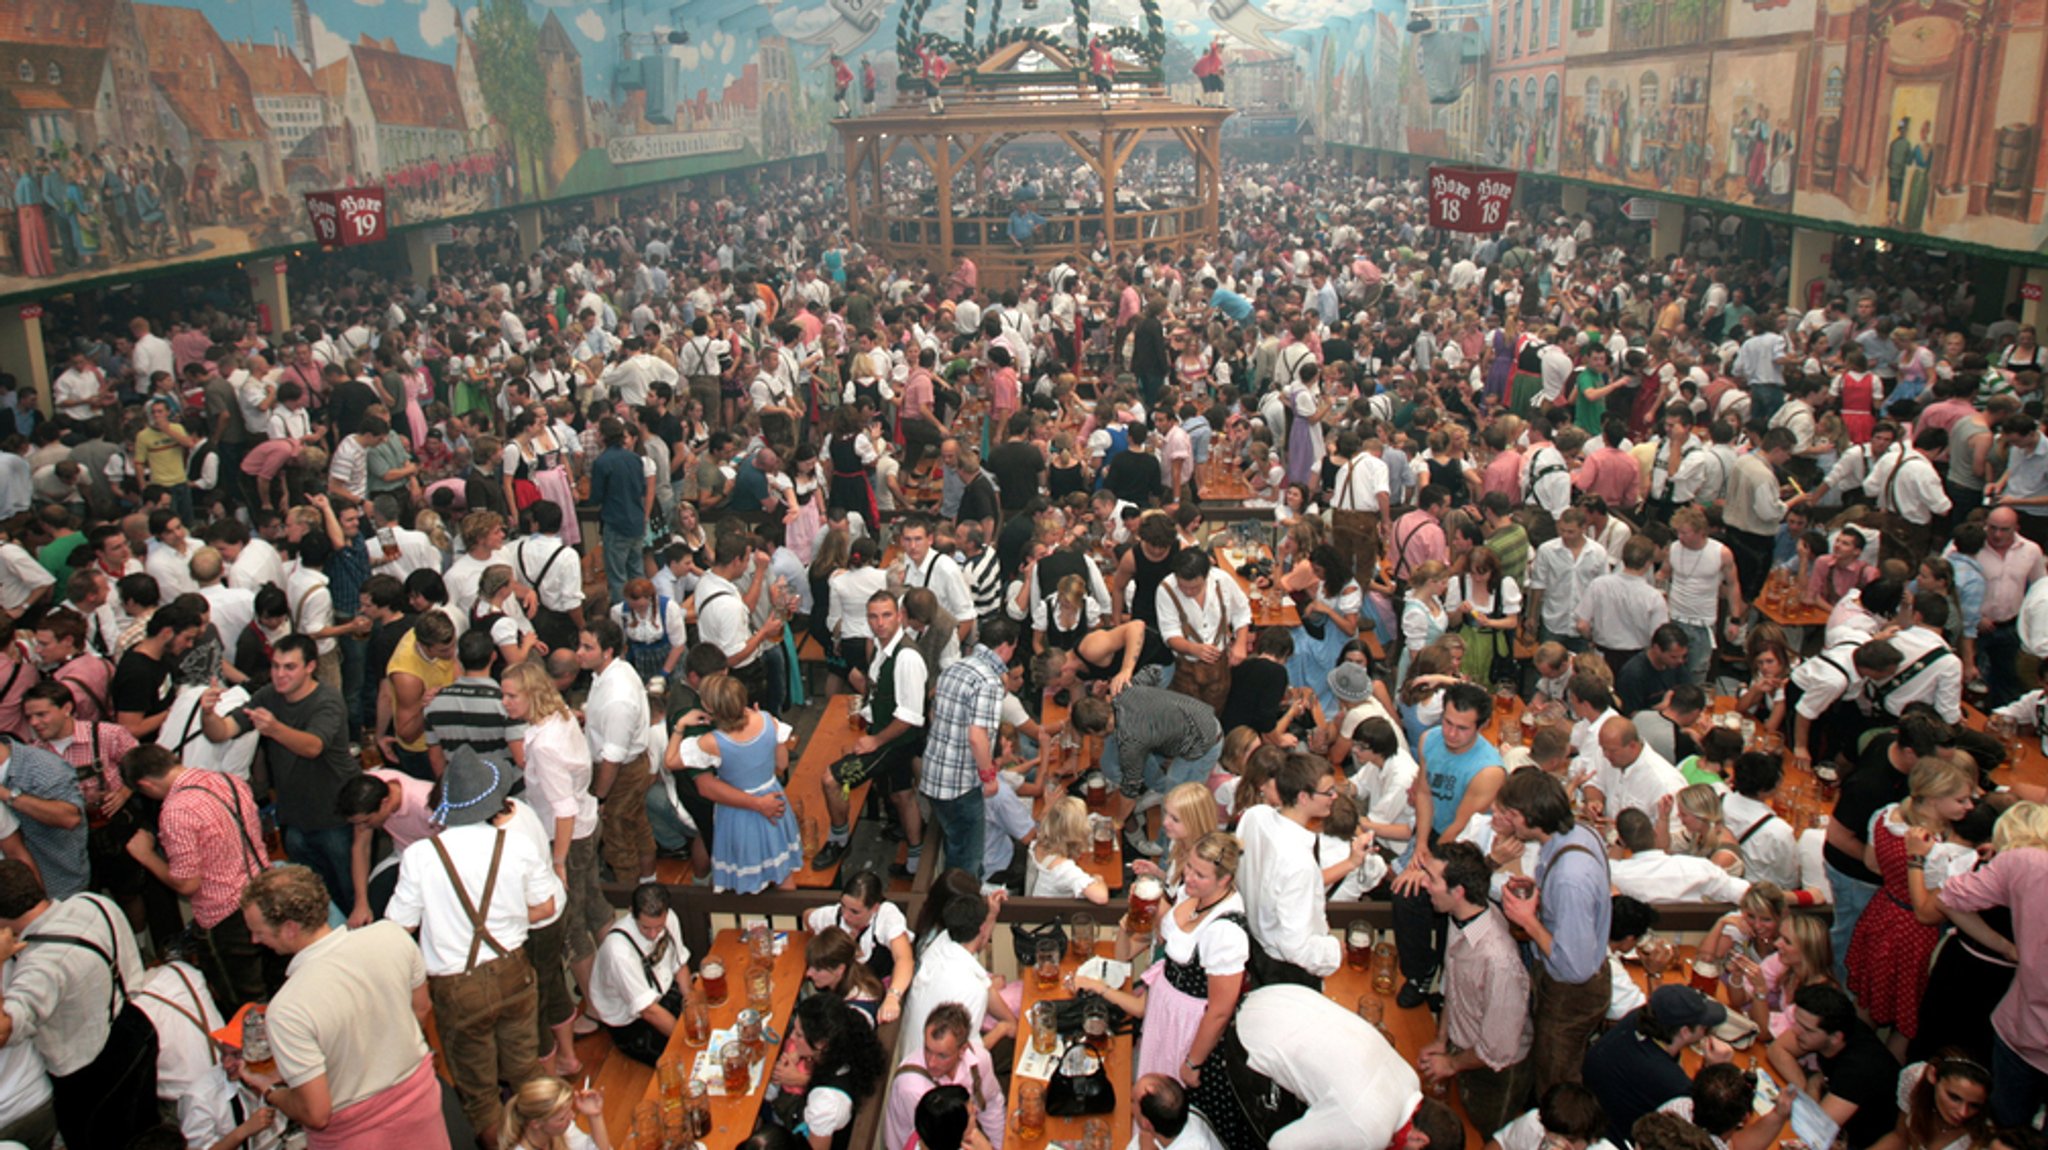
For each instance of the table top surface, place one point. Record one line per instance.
(1120, 1065)
(1088, 756)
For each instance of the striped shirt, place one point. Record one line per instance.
(984, 582)
(1151, 721)
(470, 712)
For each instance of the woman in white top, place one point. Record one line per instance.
(1486, 606)
(1423, 618)
(1189, 995)
(847, 614)
(558, 771)
(1941, 1107)
(498, 600)
(1052, 871)
(881, 935)
(653, 626)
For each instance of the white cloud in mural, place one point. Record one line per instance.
(725, 47)
(371, 3)
(591, 24)
(437, 22)
(327, 47)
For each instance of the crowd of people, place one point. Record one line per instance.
(468, 595)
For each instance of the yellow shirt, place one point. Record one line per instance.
(435, 673)
(164, 457)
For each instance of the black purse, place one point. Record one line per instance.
(1026, 939)
(1080, 1085)
(1070, 1014)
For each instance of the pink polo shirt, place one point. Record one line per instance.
(1613, 475)
(2017, 879)
(1504, 475)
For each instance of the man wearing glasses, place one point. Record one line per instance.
(1282, 881)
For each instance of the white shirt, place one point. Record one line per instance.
(1563, 579)
(1526, 1132)
(1284, 893)
(232, 611)
(726, 623)
(558, 773)
(1358, 1088)
(1768, 855)
(1654, 876)
(1827, 677)
(172, 570)
(414, 552)
(945, 579)
(615, 714)
(463, 576)
(1360, 484)
(425, 900)
(847, 614)
(619, 979)
(911, 674)
(1640, 785)
(151, 354)
(1696, 582)
(2033, 620)
(20, 576)
(1625, 611)
(1223, 609)
(188, 1074)
(258, 565)
(1939, 683)
(561, 579)
(311, 605)
(1918, 494)
(887, 925)
(946, 972)
(24, 1083)
(350, 468)
(75, 391)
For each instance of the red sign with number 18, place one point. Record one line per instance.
(1469, 199)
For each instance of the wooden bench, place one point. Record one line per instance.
(830, 740)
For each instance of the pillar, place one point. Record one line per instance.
(717, 181)
(1571, 197)
(22, 355)
(1390, 168)
(1667, 231)
(267, 288)
(2033, 311)
(423, 254)
(604, 209)
(527, 220)
(1811, 251)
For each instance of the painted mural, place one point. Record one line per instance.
(1914, 115)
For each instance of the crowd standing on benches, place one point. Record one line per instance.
(472, 593)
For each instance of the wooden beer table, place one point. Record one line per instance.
(1221, 483)
(830, 740)
(1273, 608)
(1118, 1064)
(1077, 763)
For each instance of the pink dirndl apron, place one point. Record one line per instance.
(406, 1114)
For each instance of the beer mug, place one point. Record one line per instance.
(1145, 895)
(735, 1067)
(1095, 1026)
(713, 975)
(696, 1022)
(760, 991)
(1045, 1028)
(697, 1108)
(1031, 1110)
(1383, 965)
(1358, 946)
(760, 946)
(1095, 791)
(752, 1038)
(1047, 965)
(1104, 834)
(1081, 938)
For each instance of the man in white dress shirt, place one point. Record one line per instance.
(1634, 777)
(555, 572)
(921, 566)
(615, 718)
(1282, 882)
(1643, 871)
(1913, 666)
(639, 977)
(950, 970)
(1559, 574)
(1906, 486)
(1622, 609)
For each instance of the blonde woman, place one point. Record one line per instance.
(1423, 618)
(1801, 956)
(500, 612)
(1909, 844)
(1189, 995)
(1190, 814)
(542, 1116)
(558, 773)
(1749, 932)
(1053, 869)
(1702, 833)
(1231, 764)
(1062, 619)
(755, 842)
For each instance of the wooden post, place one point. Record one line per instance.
(22, 354)
(1109, 171)
(942, 169)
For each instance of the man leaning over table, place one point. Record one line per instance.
(950, 1057)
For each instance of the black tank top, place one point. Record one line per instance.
(1149, 576)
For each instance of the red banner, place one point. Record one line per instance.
(348, 217)
(2030, 291)
(1469, 199)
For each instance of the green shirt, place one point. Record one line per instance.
(1511, 546)
(55, 556)
(1694, 773)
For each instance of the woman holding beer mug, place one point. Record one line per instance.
(1187, 998)
(1052, 870)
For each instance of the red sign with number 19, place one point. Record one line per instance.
(348, 217)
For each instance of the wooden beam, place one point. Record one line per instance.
(1082, 150)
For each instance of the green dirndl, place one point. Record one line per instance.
(1524, 390)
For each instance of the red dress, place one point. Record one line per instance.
(1859, 405)
(1889, 953)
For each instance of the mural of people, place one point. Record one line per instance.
(1919, 171)
(1897, 159)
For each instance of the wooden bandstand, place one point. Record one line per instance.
(1025, 87)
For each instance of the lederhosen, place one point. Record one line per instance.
(1354, 530)
(754, 675)
(638, 1039)
(1897, 536)
(477, 912)
(555, 628)
(703, 383)
(112, 1099)
(778, 428)
(892, 760)
(1206, 682)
